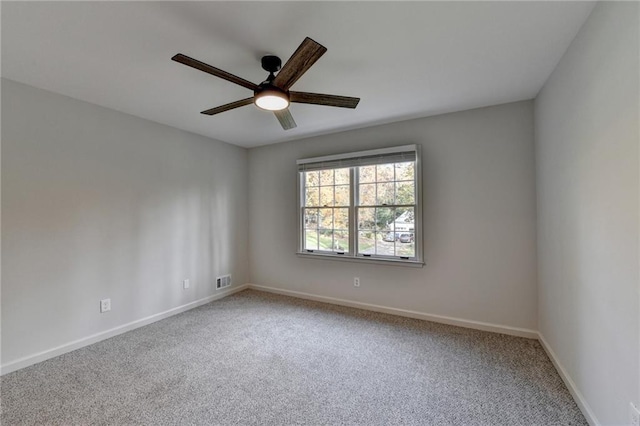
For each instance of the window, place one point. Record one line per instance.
(362, 205)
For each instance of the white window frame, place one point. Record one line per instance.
(352, 254)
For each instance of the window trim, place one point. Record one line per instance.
(352, 254)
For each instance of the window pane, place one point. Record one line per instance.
(326, 177)
(387, 243)
(342, 195)
(325, 241)
(385, 247)
(405, 193)
(341, 219)
(311, 218)
(312, 196)
(385, 193)
(326, 196)
(366, 218)
(326, 229)
(367, 194)
(341, 240)
(405, 171)
(326, 218)
(404, 221)
(405, 232)
(342, 176)
(366, 242)
(384, 172)
(310, 239)
(384, 218)
(405, 246)
(367, 173)
(312, 178)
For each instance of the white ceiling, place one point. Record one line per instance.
(404, 59)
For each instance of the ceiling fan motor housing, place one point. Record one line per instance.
(271, 63)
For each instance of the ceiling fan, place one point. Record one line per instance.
(273, 94)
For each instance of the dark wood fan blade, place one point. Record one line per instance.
(305, 55)
(194, 63)
(321, 99)
(285, 118)
(227, 107)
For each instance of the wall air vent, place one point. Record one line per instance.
(223, 281)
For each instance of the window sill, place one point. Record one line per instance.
(375, 261)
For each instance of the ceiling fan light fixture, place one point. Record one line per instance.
(271, 99)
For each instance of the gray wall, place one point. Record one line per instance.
(587, 180)
(479, 219)
(97, 204)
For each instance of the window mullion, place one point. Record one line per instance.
(353, 211)
(301, 211)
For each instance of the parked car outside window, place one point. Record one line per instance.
(405, 238)
(389, 237)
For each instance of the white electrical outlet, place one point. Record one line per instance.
(356, 281)
(635, 414)
(105, 305)
(185, 284)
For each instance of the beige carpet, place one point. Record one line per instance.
(259, 359)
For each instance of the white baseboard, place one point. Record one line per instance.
(573, 389)
(496, 328)
(86, 341)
